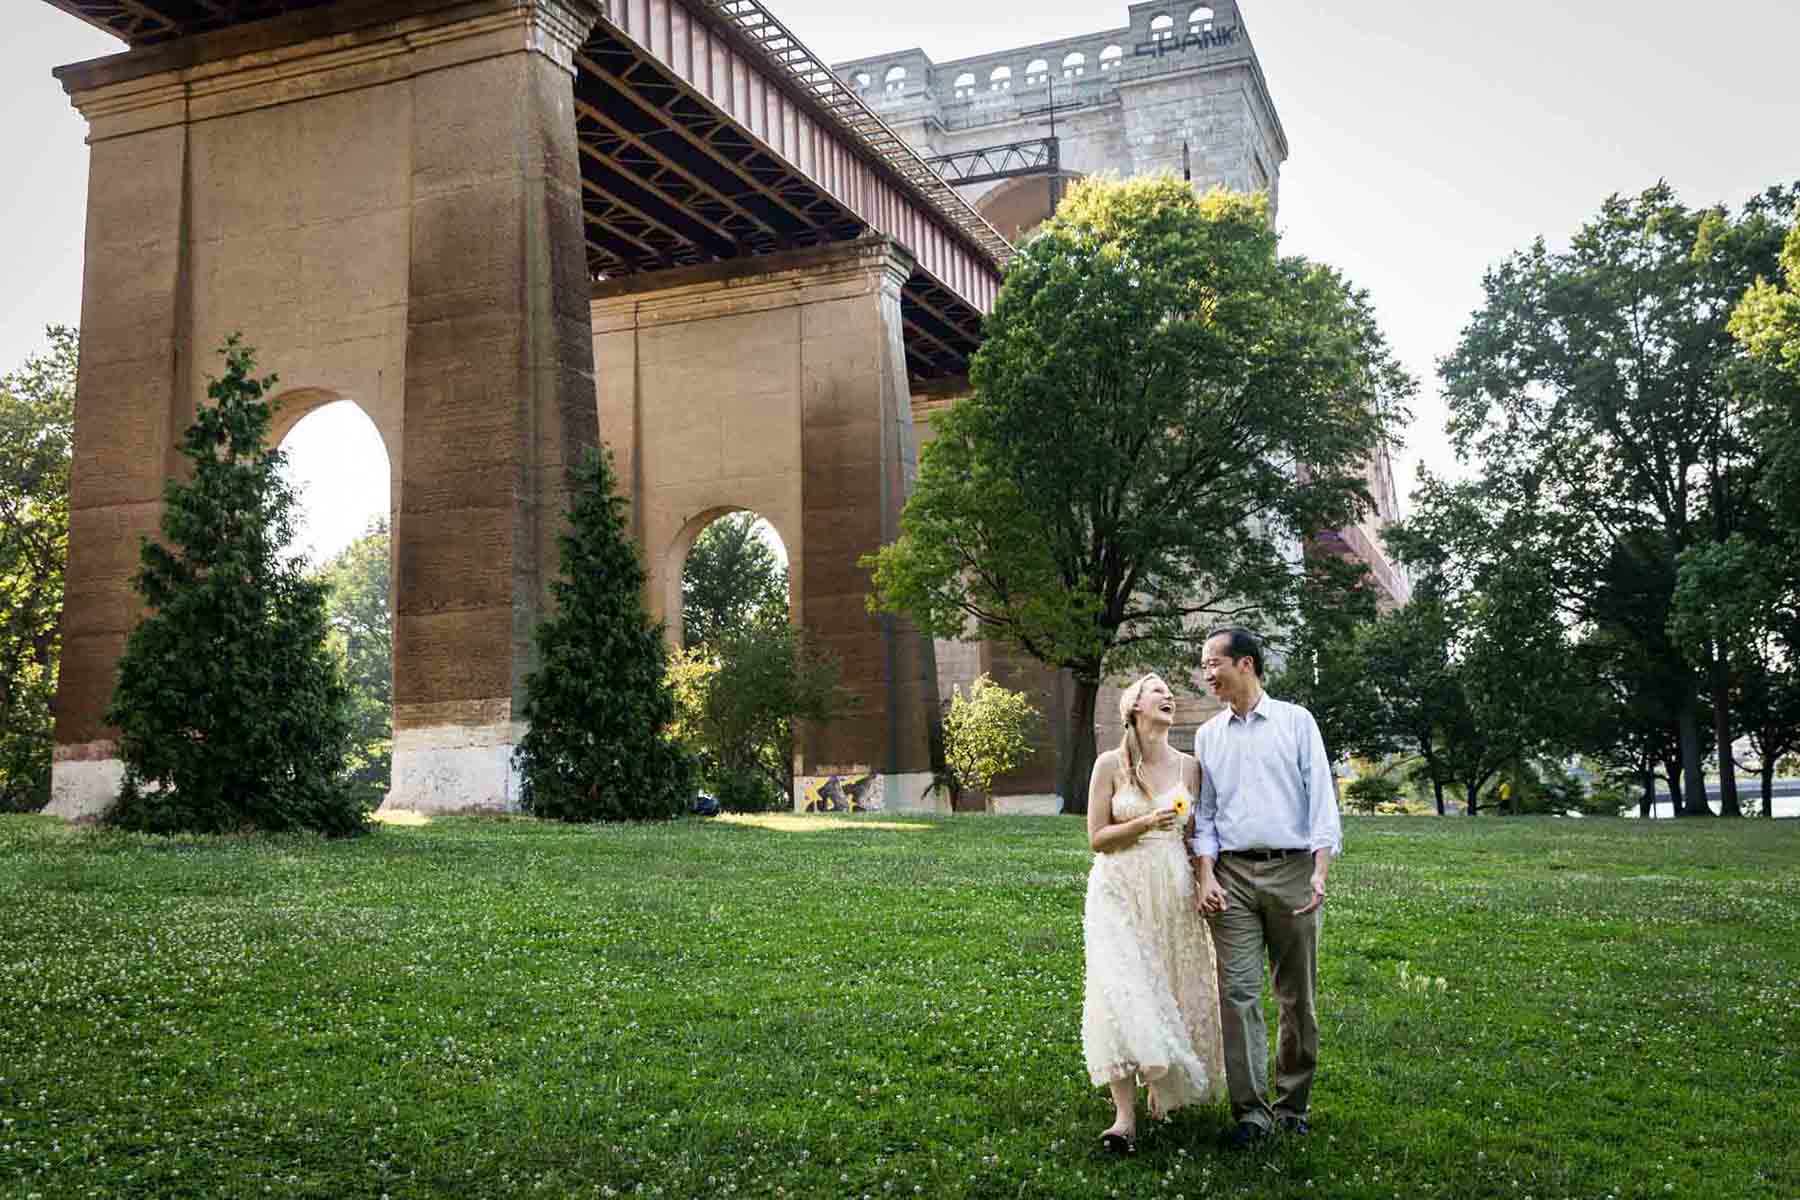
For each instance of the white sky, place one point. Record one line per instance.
(1428, 140)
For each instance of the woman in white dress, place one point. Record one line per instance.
(1150, 1012)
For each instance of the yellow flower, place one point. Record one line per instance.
(1181, 805)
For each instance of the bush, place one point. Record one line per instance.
(749, 791)
(985, 734)
(230, 707)
(598, 744)
(1369, 793)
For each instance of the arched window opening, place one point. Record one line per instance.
(1162, 28)
(1037, 72)
(965, 84)
(1200, 19)
(862, 81)
(1074, 63)
(1111, 57)
(895, 80)
(1000, 80)
(338, 466)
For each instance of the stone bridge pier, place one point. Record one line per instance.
(386, 198)
(389, 212)
(778, 384)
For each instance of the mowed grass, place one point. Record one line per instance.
(868, 1007)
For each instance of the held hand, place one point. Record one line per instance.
(1210, 897)
(1163, 818)
(1318, 895)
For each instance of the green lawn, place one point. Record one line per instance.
(875, 1007)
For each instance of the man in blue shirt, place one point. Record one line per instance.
(1265, 831)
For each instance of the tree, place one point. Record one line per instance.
(597, 745)
(358, 602)
(1164, 411)
(229, 705)
(1766, 323)
(731, 578)
(1594, 384)
(37, 417)
(987, 734)
(743, 692)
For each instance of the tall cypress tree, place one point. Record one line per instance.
(230, 708)
(598, 706)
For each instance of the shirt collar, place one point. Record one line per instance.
(1259, 709)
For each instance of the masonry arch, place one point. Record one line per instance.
(341, 469)
(1018, 206)
(675, 562)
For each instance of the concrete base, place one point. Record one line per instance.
(455, 768)
(906, 793)
(1047, 805)
(84, 787)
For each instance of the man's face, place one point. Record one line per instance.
(1225, 676)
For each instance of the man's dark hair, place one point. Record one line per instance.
(1240, 643)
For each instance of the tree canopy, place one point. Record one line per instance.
(731, 578)
(37, 419)
(1165, 409)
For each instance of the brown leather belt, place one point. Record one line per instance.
(1262, 855)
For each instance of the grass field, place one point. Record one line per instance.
(877, 1007)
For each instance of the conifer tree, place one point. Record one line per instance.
(230, 707)
(599, 712)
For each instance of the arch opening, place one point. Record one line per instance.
(740, 670)
(1074, 63)
(341, 473)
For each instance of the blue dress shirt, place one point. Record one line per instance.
(1265, 782)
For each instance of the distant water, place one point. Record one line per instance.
(1785, 806)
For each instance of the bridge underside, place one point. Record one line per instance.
(678, 118)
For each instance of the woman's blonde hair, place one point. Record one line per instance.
(1131, 746)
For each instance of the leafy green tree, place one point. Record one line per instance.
(987, 734)
(1745, 594)
(1594, 385)
(746, 689)
(1766, 323)
(229, 705)
(359, 606)
(1164, 410)
(731, 578)
(37, 417)
(597, 746)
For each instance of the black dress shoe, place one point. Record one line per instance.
(1292, 1125)
(1117, 1143)
(1246, 1135)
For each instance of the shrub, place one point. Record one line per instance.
(1369, 793)
(599, 711)
(230, 707)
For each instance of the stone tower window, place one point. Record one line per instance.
(1111, 57)
(965, 84)
(1162, 28)
(895, 80)
(1037, 72)
(862, 81)
(1000, 80)
(1074, 63)
(1201, 18)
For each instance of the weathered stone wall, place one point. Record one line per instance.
(778, 385)
(385, 202)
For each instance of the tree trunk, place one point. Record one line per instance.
(1437, 787)
(1674, 770)
(1720, 672)
(1080, 763)
(1437, 780)
(1647, 803)
(1768, 785)
(1470, 789)
(1693, 793)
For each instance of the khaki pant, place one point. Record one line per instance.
(1260, 918)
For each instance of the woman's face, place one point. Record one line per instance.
(1155, 703)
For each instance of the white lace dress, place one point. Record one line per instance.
(1151, 1003)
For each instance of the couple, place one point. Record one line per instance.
(1242, 834)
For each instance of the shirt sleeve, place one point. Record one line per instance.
(1206, 809)
(1325, 830)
